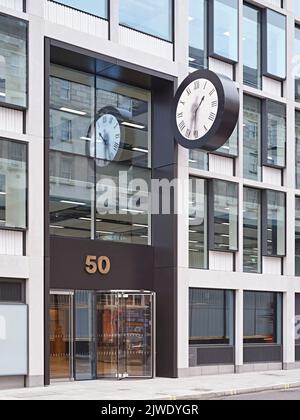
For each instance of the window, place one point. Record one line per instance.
(224, 29)
(13, 61)
(12, 291)
(262, 318)
(198, 159)
(153, 17)
(252, 46)
(297, 8)
(297, 234)
(97, 8)
(198, 249)
(274, 63)
(252, 230)
(224, 211)
(211, 317)
(296, 67)
(198, 34)
(231, 147)
(66, 130)
(252, 138)
(274, 233)
(297, 323)
(275, 148)
(80, 165)
(297, 149)
(13, 184)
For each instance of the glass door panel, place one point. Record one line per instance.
(61, 337)
(139, 337)
(107, 335)
(84, 343)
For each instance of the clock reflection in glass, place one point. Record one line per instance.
(107, 139)
(197, 109)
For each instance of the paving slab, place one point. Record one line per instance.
(192, 388)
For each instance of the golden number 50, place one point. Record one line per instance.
(100, 264)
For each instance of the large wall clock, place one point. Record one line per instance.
(107, 136)
(205, 111)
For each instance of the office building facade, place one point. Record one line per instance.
(97, 285)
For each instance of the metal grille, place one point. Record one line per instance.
(12, 292)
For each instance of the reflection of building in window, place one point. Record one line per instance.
(66, 130)
(3, 334)
(2, 77)
(2, 199)
(65, 90)
(66, 169)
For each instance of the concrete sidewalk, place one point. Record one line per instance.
(199, 388)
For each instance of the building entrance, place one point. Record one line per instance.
(102, 335)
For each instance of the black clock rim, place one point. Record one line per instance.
(217, 82)
(116, 113)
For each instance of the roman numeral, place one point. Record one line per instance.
(188, 133)
(111, 120)
(117, 136)
(116, 126)
(196, 84)
(188, 91)
(212, 116)
(205, 86)
(104, 120)
(182, 103)
(214, 104)
(212, 92)
(116, 146)
(205, 129)
(196, 134)
(180, 115)
(182, 126)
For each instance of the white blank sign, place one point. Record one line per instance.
(13, 340)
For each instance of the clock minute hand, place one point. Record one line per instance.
(201, 102)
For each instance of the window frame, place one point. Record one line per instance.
(211, 217)
(265, 42)
(7, 104)
(266, 103)
(211, 41)
(17, 229)
(264, 230)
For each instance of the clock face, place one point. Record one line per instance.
(197, 109)
(107, 139)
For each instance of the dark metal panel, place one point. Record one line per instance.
(165, 286)
(131, 265)
(212, 355)
(263, 354)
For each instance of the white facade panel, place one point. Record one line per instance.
(272, 266)
(221, 67)
(272, 176)
(75, 19)
(11, 120)
(272, 87)
(221, 165)
(220, 261)
(11, 243)
(151, 45)
(13, 4)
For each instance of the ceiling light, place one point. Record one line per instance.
(73, 111)
(191, 18)
(75, 203)
(56, 227)
(3, 94)
(140, 226)
(105, 233)
(191, 59)
(137, 149)
(227, 34)
(85, 138)
(2, 193)
(132, 125)
(133, 211)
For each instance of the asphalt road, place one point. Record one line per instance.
(289, 395)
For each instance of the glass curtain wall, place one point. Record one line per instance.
(297, 57)
(276, 223)
(297, 237)
(100, 144)
(276, 126)
(198, 34)
(297, 141)
(276, 44)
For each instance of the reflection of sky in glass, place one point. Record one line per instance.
(95, 7)
(197, 23)
(226, 29)
(153, 17)
(276, 44)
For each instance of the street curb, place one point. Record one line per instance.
(237, 392)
